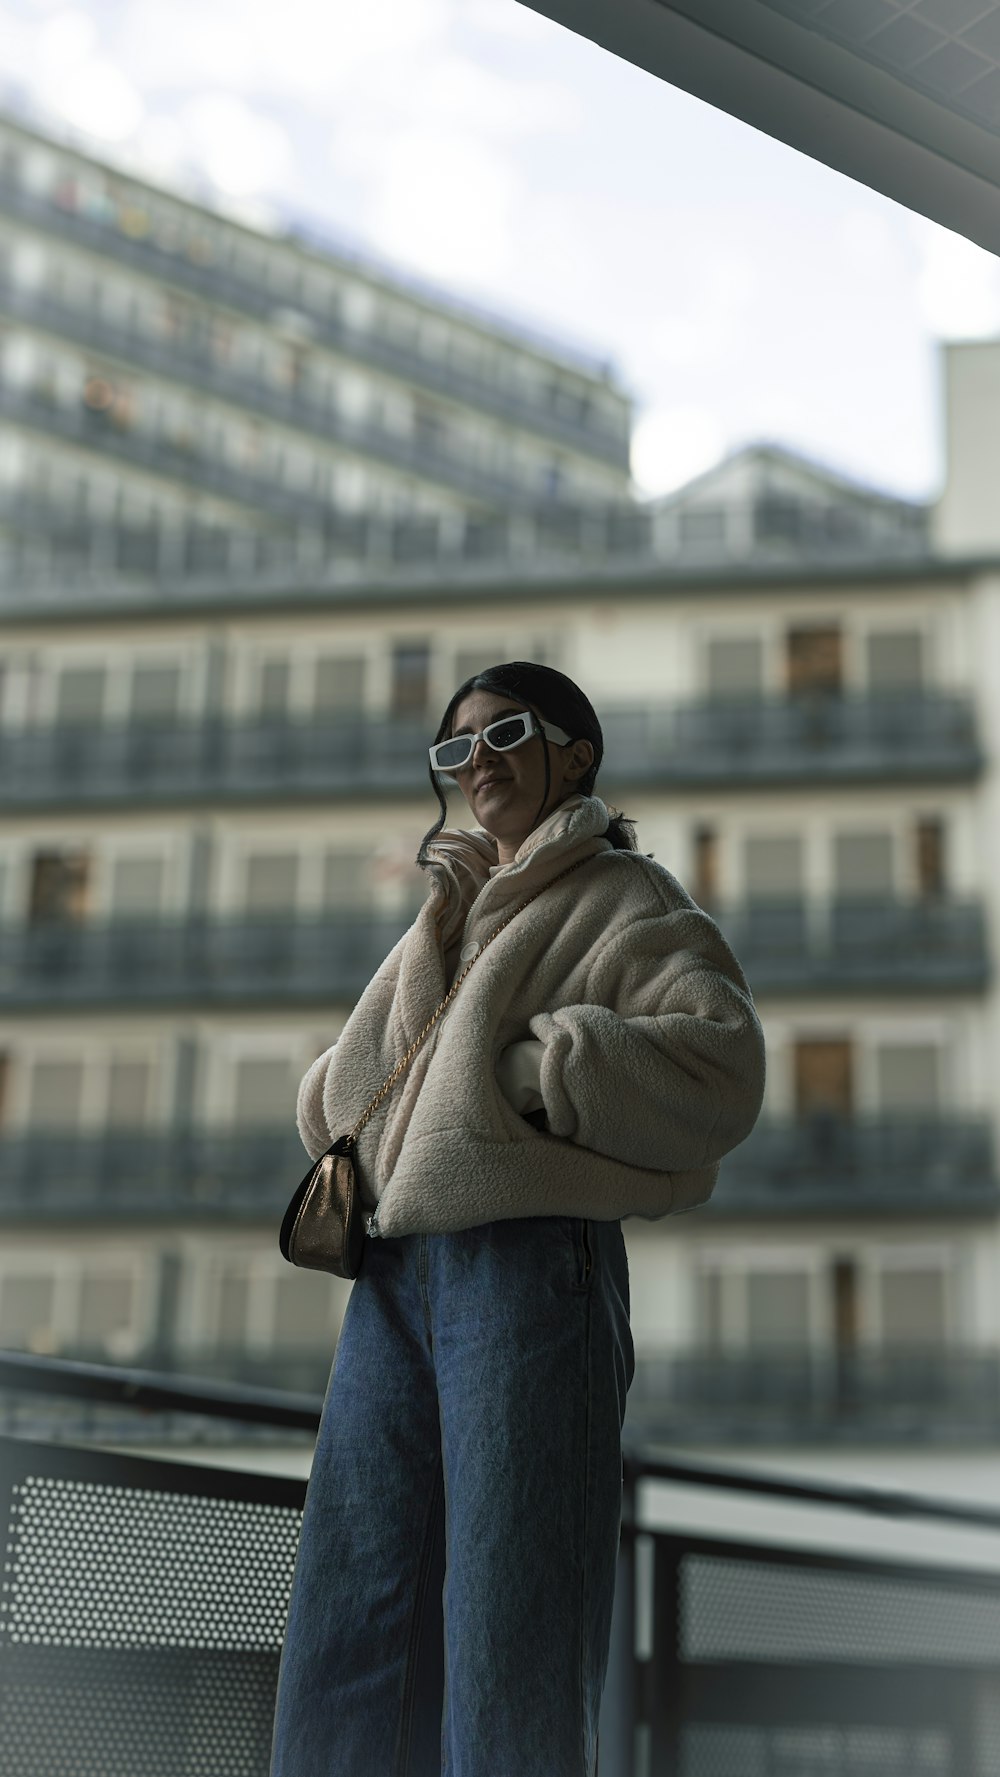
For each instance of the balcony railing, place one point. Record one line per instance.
(426, 454)
(288, 956)
(905, 1164)
(146, 1601)
(769, 1394)
(150, 1174)
(604, 441)
(929, 737)
(195, 961)
(779, 1395)
(902, 1166)
(806, 739)
(840, 946)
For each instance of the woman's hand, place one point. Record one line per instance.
(519, 1075)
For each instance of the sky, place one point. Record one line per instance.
(742, 291)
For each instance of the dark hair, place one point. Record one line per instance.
(554, 698)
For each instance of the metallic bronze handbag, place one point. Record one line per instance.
(323, 1227)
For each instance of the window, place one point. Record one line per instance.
(699, 525)
(80, 694)
(55, 1095)
(823, 1076)
(302, 1317)
(271, 882)
(908, 1076)
(734, 666)
(136, 886)
(128, 1093)
(777, 518)
(410, 678)
(339, 684)
(777, 1308)
(930, 855)
(814, 658)
(273, 687)
(913, 1304)
(895, 660)
(347, 880)
(59, 886)
(156, 693)
(232, 1305)
(862, 865)
(772, 867)
(107, 1306)
(27, 1308)
(265, 1090)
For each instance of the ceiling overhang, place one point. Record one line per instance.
(907, 106)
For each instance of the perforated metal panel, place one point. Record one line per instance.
(141, 1615)
(783, 1663)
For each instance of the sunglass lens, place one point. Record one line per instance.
(507, 732)
(453, 753)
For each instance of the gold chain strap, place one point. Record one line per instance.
(407, 1058)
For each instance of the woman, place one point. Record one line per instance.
(451, 1606)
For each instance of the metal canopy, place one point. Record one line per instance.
(902, 95)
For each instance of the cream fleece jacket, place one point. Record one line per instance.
(651, 1063)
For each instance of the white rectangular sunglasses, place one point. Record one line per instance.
(502, 735)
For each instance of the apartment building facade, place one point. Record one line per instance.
(214, 716)
(209, 826)
(181, 393)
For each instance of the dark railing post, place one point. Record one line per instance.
(616, 1741)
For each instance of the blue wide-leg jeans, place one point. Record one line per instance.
(450, 1613)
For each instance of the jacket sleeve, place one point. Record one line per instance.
(663, 1065)
(309, 1113)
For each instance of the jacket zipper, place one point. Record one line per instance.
(587, 1258)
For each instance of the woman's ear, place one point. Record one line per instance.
(581, 758)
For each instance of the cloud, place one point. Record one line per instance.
(670, 445)
(70, 75)
(958, 286)
(440, 202)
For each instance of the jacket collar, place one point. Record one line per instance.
(465, 864)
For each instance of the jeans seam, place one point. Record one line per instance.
(585, 1565)
(416, 1623)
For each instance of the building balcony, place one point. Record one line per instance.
(289, 957)
(929, 737)
(185, 460)
(824, 1165)
(604, 441)
(884, 945)
(427, 455)
(195, 960)
(149, 1175)
(783, 1394)
(809, 739)
(903, 1166)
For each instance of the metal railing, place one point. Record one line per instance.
(906, 1163)
(773, 1391)
(606, 442)
(929, 737)
(149, 1175)
(147, 1598)
(883, 943)
(776, 1393)
(289, 956)
(195, 960)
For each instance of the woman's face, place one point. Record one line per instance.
(505, 790)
